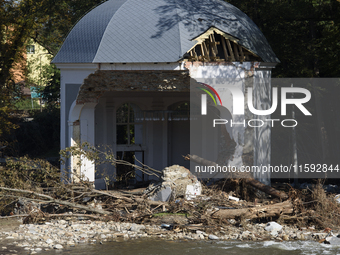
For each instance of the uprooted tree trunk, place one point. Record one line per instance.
(251, 181)
(274, 210)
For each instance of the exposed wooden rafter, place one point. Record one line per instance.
(217, 46)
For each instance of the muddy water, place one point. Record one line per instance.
(153, 247)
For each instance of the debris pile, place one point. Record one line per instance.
(179, 202)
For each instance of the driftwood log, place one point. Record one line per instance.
(251, 181)
(273, 210)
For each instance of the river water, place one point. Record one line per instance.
(161, 247)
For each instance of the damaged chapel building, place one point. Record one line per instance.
(126, 69)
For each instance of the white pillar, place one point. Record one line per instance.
(87, 134)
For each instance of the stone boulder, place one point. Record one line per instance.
(176, 181)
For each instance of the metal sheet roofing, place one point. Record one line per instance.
(136, 31)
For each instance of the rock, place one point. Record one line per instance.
(231, 221)
(213, 237)
(199, 232)
(58, 246)
(177, 178)
(337, 198)
(333, 240)
(136, 228)
(15, 235)
(319, 236)
(245, 234)
(285, 237)
(49, 241)
(273, 227)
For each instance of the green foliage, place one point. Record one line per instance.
(47, 23)
(37, 137)
(61, 17)
(51, 92)
(27, 104)
(29, 174)
(304, 34)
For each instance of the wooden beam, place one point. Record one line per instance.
(236, 52)
(230, 50)
(206, 51)
(213, 45)
(241, 51)
(195, 54)
(202, 51)
(226, 57)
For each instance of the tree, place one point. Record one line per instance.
(304, 34)
(47, 22)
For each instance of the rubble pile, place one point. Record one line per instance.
(176, 182)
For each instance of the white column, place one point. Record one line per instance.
(87, 134)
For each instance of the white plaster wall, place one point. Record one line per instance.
(216, 76)
(236, 74)
(69, 74)
(262, 136)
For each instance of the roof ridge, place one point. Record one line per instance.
(106, 28)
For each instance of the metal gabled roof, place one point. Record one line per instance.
(137, 31)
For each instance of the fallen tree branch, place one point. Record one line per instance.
(133, 199)
(57, 201)
(251, 181)
(111, 194)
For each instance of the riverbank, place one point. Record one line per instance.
(62, 234)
